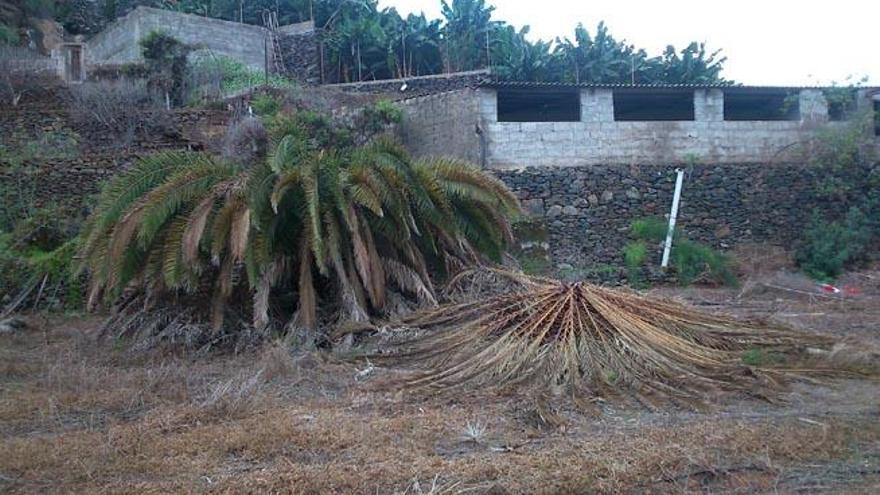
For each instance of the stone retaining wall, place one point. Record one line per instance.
(69, 178)
(299, 48)
(413, 87)
(588, 210)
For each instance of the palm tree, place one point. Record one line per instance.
(317, 217)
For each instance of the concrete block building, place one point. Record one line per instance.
(509, 125)
(257, 47)
(588, 160)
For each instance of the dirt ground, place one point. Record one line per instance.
(78, 415)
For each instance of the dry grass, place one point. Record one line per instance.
(80, 416)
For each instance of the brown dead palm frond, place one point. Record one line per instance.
(482, 282)
(597, 343)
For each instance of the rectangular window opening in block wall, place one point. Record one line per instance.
(644, 106)
(769, 105)
(841, 103)
(877, 117)
(539, 106)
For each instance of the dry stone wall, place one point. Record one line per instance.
(301, 58)
(90, 157)
(588, 210)
(414, 87)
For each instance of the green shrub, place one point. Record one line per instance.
(219, 76)
(693, 259)
(849, 175)
(35, 251)
(380, 114)
(831, 247)
(8, 36)
(13, 267)
(165, 59)
(634, 255)
(265, 105)
(649, 229)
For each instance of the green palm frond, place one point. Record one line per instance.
(126, 189)
(174, 268)
(190, 184)
(468, 181)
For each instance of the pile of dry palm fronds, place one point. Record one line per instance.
(594, 342)
(482, 282)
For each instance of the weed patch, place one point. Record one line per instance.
(691, 261)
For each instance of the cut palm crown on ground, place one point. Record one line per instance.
(593, 341)
(314, 216)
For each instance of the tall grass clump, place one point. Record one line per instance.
(691, 261)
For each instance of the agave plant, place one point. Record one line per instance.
(594, 342)
(311, 214)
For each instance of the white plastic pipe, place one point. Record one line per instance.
(676, 196)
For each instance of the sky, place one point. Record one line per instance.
(766, 42)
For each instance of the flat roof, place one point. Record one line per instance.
(551, 86)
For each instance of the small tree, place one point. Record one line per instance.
(165, 60)
(14, 76)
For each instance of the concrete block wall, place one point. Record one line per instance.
(597, 105)
(28, 64)
(709, 105)
(522, 144)
(443, 125)
(118, 44)
(598, 139)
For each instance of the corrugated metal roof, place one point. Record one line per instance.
(562, 85)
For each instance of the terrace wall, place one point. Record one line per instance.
(586, 211)
(69, 179)
(419, 86)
